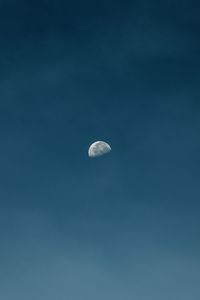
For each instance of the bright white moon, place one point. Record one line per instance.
(98, 148)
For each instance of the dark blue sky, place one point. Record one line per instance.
(126, 225)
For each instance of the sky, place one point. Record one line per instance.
(125, 225)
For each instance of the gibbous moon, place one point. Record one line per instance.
(98, 148)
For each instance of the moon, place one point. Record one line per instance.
(98, 148)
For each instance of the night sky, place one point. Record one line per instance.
(124, 226)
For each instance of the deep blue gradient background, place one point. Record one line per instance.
(123, 226)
